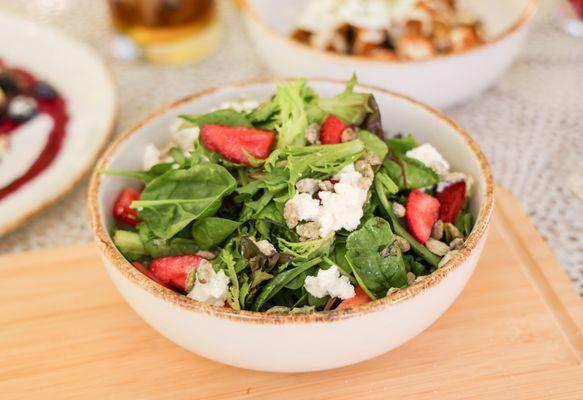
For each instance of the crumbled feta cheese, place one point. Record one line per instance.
(241, 105)
(329, 283)
(151, 157)
(184, 138)
(264, 246)
(429, 156)
(332, 210)
(210, 287)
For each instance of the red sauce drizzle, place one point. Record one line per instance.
(56, 108)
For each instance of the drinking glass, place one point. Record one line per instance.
(173, 32)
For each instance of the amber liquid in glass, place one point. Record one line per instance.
(165, 31)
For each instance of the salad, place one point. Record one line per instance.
(388, 29)
(295, 204)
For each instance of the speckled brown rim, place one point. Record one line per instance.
(128, 271)
(49, 201)
(526, 15)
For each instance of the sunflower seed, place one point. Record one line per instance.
(456, 244)
(437, 247)
(348, 135)
(307, 185)
(326, 186)
(313, 133)
(399, 210)
(411, 278)
(437, 230)
(310, 230)
(451, 231)
(206, 254)
(402, 243)
(447, 258)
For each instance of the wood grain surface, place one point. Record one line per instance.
(514, 333)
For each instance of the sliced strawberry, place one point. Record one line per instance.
(332, 129)
(122, 208)
(421, 213)
(148, 273)
(234, 143)
(451, 200)
(360, 298)
(174, 270)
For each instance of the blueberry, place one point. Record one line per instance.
(22, 108)
(44, 91)
(9, 84)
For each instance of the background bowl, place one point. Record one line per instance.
(441, 81)
(293, 343)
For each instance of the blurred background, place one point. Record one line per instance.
(530, 124)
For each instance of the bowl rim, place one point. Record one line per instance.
(128, 271)
(252, 15)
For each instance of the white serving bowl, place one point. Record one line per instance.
(292, 343)
(440, 82)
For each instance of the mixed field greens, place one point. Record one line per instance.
(227, 204)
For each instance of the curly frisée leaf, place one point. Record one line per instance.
(308, 249)
(350, 106)
(173, 200)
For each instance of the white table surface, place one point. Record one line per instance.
(530, 125)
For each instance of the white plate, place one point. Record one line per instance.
(81, 77)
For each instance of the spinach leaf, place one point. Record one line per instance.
(401, 145)
(464, 222)
(279, 281)
(375, 272)
(211, 231)
(373, 144)
(225, 117)
(173, 200)
(417, 175)
(157, 247)
(144, 176)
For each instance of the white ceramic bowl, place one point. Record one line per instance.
(440, 82)
(293, 343)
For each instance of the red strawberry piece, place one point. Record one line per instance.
(140, 267)
(174, 270)
(360, 298)
(451, 200)
(234, 142)
(332, 129)
(421, 212)
(122, 208)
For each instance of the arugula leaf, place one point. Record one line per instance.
(173, 200)
(227, 260)
(308, 249)
(211, 231)
(280, 281)
(226, 117)
(417, 175)
(350, 106)
(375, 273)
(373, 144)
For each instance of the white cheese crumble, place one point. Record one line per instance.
(184, 137)
(151, 156)
(210, 287)
(329, 283)
(242, 105)
(429, 156)
(340, 209)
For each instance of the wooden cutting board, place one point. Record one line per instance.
(514, 333)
